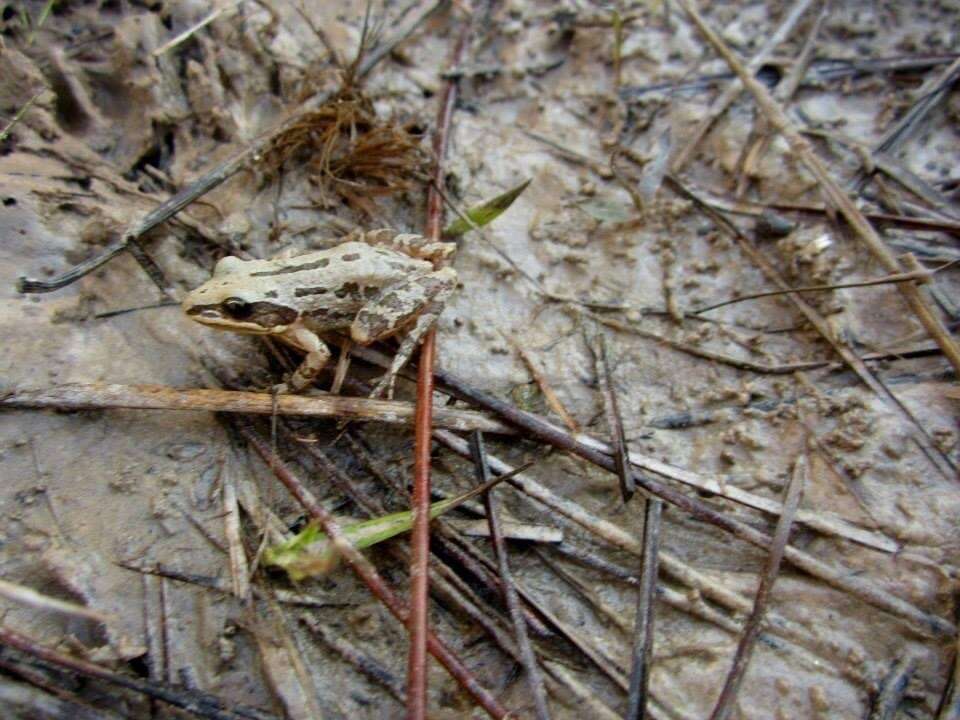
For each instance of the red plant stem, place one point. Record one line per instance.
(368, 573)
(423, 420)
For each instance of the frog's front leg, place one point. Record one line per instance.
(317, 356)
(419, 301)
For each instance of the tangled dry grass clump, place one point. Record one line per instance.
(351, 153)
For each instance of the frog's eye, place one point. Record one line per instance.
(237, 308)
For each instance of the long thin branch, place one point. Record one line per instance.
(97, 396)
(919, 275)
(420, 535)
(804, 152)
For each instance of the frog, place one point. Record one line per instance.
(368, 286)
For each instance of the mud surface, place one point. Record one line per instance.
(119, 123)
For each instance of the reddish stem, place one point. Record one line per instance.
(423, 422)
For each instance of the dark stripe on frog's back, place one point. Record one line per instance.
(287, 269)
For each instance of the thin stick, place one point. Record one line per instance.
(420, 535)
(529, 659)
(97, 396)
(548, 394)
(919, 275)
(950, 702)
(837, 577)
(733, 90)
(172, 43)
(614, 420)
(217, 175)
(199, 703)
(365, 664)
(368, 573)
(804, 152)
(38, 601)
(643, 632)
(894, 688)
(239, 567)
(751, 631)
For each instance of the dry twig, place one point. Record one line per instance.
(158, 397)
(643, 631)
(804, 152)
(751, 632)
(534, 678)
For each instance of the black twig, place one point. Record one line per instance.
(751, 631)
(528, 658)
(614, 420)
(643, 629)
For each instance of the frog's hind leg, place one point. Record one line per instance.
(419, 300)
(416, 246)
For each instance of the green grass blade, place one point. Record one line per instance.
(310, 553)
(484, 213)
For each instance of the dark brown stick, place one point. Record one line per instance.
(614, 420)
(529, 659)
(199, 703)
(754, 624)
(643, 630)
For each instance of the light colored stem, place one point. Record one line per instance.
(98, 396)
